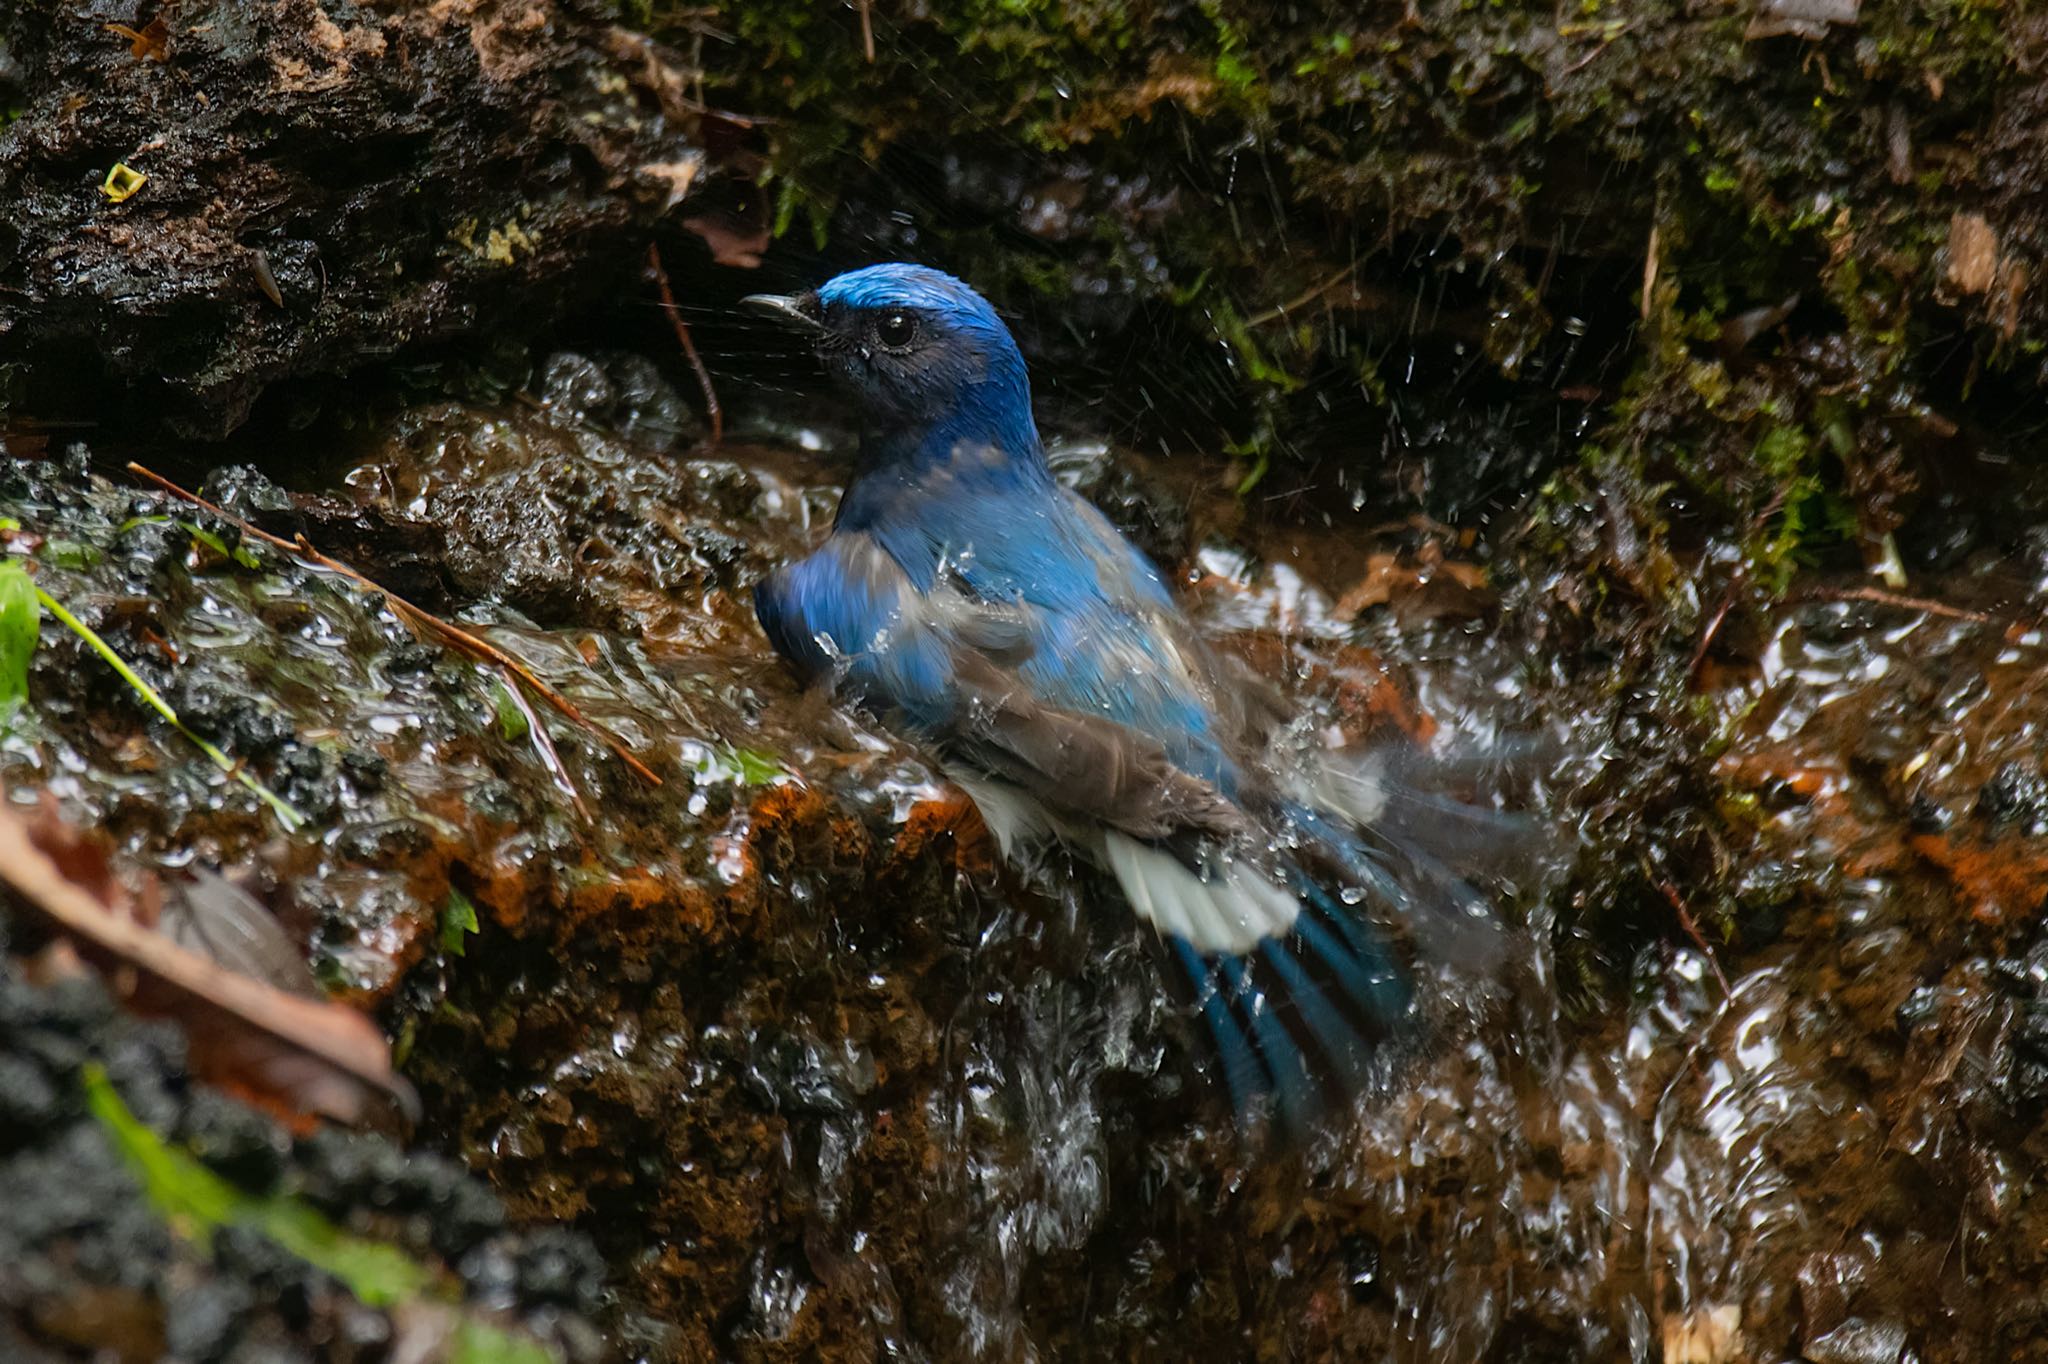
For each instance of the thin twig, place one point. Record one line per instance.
(867, 28)
(675, 316)
(1708, 635)
(1605, 44)
(549, 758)
(1274, 314)
(1692, 930)
(420, 619)
(1736, 581)
(1649, 272)
(1880, 597)
(204, 992)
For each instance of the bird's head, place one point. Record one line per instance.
(914, 346)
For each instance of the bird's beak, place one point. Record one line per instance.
(792, 310)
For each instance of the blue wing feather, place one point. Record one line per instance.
(1056, 607)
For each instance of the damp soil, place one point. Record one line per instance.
(777, 1045)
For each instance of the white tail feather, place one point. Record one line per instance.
(1235, 910)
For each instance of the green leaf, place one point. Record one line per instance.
(196, 1202)
(1258, 472)
(477, 1342)
(511, 719)
(743, 766)
(71, 554)
(378, 1274)
(458, 921)
(756, 769)
(21, 623)
(240, 554)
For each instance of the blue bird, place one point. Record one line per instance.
(1003, 623)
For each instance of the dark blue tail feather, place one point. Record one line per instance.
(1297, 1022)
(1241, 1071)
(1340, 1041)
(1293, 1081)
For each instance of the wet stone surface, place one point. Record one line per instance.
(818, 1081)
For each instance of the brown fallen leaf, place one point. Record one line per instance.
(250, 1018)
(1738, 331)
(1972, 253)
(674, 177)
(735, 239)
(1438, 586)
(152, 41)
(1712, 1335)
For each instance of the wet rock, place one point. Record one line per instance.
(623, 393)
(799, 1075)
(201, 1321)
(247, 492)
(243, 1146)
(779, 1042)
(1361, 1267)
(576, 386)
(2021, 1074)
(555, 1265)
(2016, 798)
(1857, 1341)
(457, 201)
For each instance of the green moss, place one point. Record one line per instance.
(1290, 147)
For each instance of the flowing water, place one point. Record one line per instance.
(1761, 1077)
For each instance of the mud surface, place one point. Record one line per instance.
(818, 1081)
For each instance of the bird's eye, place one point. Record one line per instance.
(895, 330)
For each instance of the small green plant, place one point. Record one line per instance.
(197, 1204)
(286, 813)
(458, 921)
(511, 719)
(21, 623)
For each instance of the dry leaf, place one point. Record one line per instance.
(734, 240)
(151, 41)
(1712, 1335)
(302, 1053)
(675, 177)
(1972, 253)
(1439, 586)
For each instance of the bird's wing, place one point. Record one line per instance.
(1096, 711)
(1092, 722)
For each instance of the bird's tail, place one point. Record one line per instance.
(1303, 1019)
